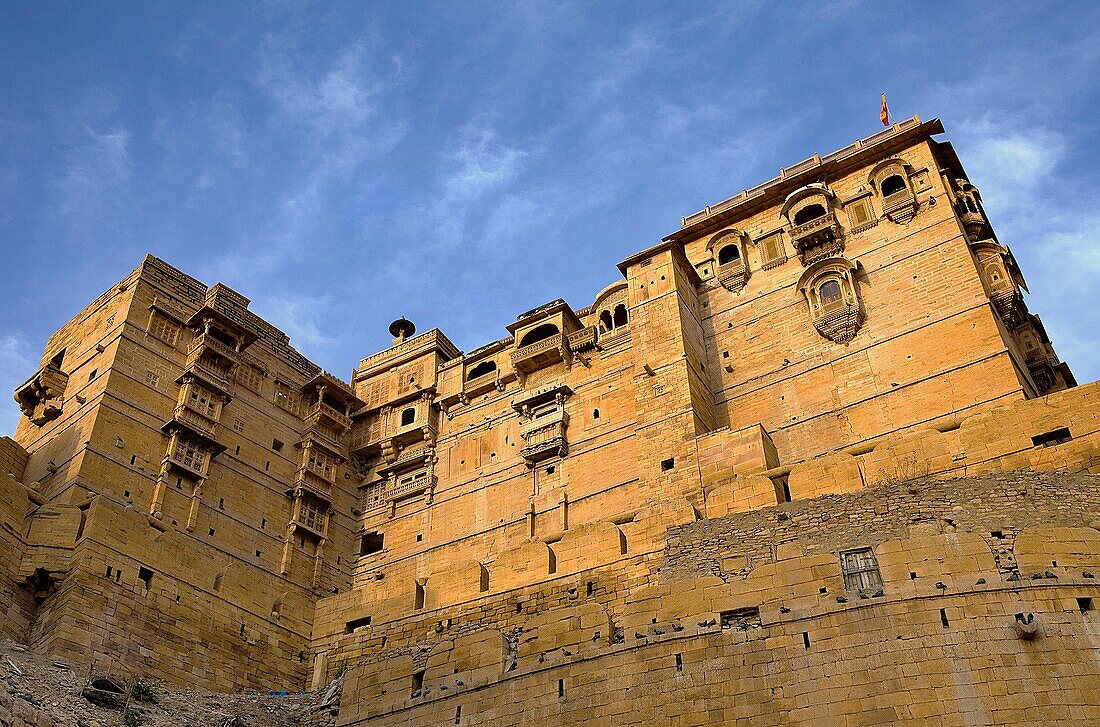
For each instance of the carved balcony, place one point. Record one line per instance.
(196, 421)
(482, 384)
(403, 490)
(325, 435)
(733, 275)
(973, 222)
(309, 481)
(542, 353)
(544, 437)
(41, 397)
(583, 339)
(900, 206)
(214, 371)
(206, 341)
(320, 411)
(817, 239)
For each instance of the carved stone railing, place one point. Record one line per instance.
(196, 466)
(365, 433)
(310, 481)
(481, 384)
(583, 339)
(196, 421)
(973, 222)
(733, 275)
(41, 396)
(205, 340)
(558, 340)
(541, 353)
(813, 228)
(544, 437)
(409, 489)
(208, 369)
(320, 408)
(328, 436)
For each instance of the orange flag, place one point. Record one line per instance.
(884, 114)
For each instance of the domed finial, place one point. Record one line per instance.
(401, 329)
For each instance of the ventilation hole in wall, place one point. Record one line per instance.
(133, 459)
(242, 630)
(1054, 563)
(384, 640)
(118, 576)
(806, 639)
(912, 576)
(458, 714)
(667, 464)
(420, 537)
(418, 597)
(417, 682)
(725, 354)
(591, 589)
(1084, 605)
(729, 325)
(109, 572)
(338, 559)
(943, 618)
(355, 624)
(1051, 438)
(126, 494)
(237, 450)
(92, 375)
(823, 590)
(595, 413)
(267, 465)
(553, 561)
(263, 523)
(550, 470)
(561, 688)
(221, 503)
(179, 483)
(492, 455)
(622, 543)
(276, 445)
(484, 586)
(145, 576)
(177, 598)
(997, 534)
(679, 662)
(211, 532)
(519, 607)
(259, 554)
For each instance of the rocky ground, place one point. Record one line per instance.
(36, 691)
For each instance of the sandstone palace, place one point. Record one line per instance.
(807, 460)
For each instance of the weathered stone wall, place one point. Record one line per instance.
(752, 620)
(16, 605)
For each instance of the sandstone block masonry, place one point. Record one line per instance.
(777, 441)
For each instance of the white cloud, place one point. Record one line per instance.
(17, 362)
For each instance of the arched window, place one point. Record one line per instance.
(729, 254)
(830, 293)
(605, 321)
(621, 316)
(408, 416)
(892, 185)
(808, 213)
(483, 368)
(538, 333)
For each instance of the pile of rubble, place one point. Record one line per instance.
(36, 691)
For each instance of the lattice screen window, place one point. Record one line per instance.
(860, 570)
(312, 514)
(164, 328)
(203, 402)
(190, 453)
(251, 377)
(287, 398)
(321, 464)
(374, 494)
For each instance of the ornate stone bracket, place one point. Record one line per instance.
(41, 397)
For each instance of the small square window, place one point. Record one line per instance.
(668, 464)
(370, 543)
(277, 445)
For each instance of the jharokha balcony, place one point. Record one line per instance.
(41, 396)
(309, 481)
(817, 239)
(541, 353)
(195, 421)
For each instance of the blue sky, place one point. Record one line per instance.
(457, 163)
